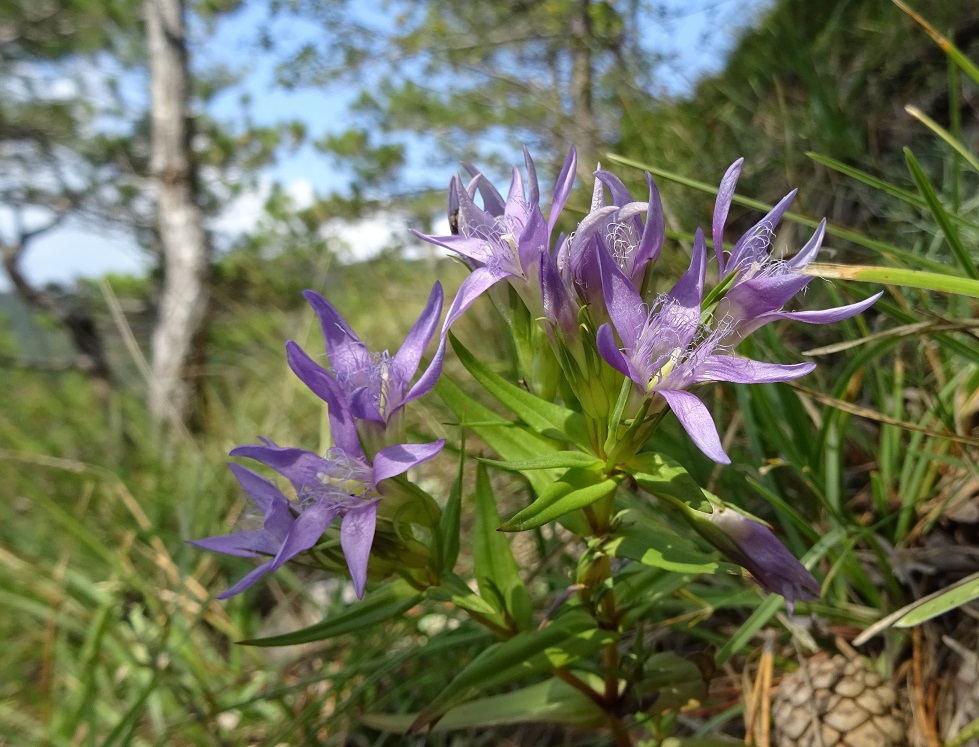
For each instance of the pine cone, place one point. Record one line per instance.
(842, 700)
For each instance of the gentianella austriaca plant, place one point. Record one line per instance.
(604, 361)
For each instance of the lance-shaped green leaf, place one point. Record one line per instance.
(663, 477)
(454, 590)
(450, 521)
(553, 701)
(559, 460)
(507, 439)
(382, 604)
(871, 181)
(937, 603)
(566, 640)
(545, 417)
(496, 570)
(659, 547)
(575, 489)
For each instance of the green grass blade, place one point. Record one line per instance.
(871, 181)
(943, 283)
(944, 134)
(953, 52)
(941, 216)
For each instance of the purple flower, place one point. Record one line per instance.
(616, 230)
(504, 238)
(339, 484)
(376, 385)
(667, 348)
(762, 284)
(266, 541)
(754, 546)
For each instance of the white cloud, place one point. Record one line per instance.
(242, 214)
(302, 192)
(367, 237)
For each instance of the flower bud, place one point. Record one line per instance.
(755, 547)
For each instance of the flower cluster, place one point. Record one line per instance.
(667, 344)
(618, 339)
(363, 389)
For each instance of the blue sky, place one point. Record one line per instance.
(78, 251)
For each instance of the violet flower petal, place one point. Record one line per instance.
(812, 316)
(697, 422)
(302, 468)
(755, 547)
(722, 205)
(239, 544)
(306, 531)
(608, 348)
(625, 306)
(426, 382)
(653, 234)
(531, 240)
(534, 197)
(746, 371)
(324, 386)
(753, 245)
(356, 538)
(472, 288)
(263, 492)
(559, 308)
(808, 253)
(493, 202)
(395, 460)
(247, 581)
(751, 298)
(689, 289)
(410, 353)
(562, 189)
(338, 335)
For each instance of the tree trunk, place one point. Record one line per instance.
(179, 334)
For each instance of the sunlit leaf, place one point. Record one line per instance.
(493, 562)
(553, 701)
(575, 489)
(926, 608)
(659, 547)
(559, 460)
(382, 604)
(941, 282)
(455, 591)
(662, 476)
(545, 417)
